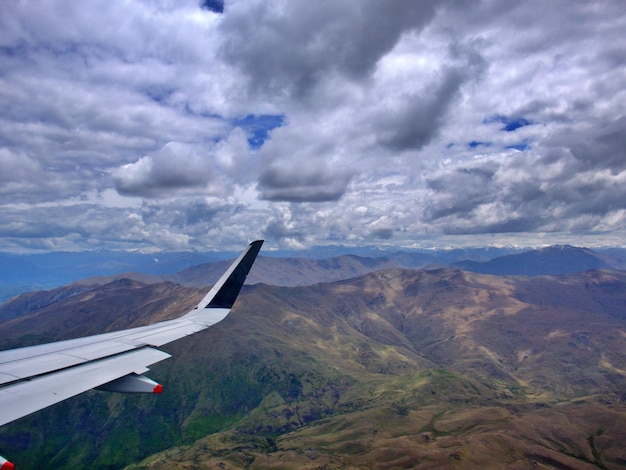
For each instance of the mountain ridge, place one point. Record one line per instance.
(558, 259)
(395, 368)
(26, 273)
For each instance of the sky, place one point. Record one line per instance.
(202, 125)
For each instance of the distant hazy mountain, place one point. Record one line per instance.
(28, 272)
(302, 271)
(306, 271)
(394, 369)
(560, 259)
(25, 273)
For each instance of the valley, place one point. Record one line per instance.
(399, 368)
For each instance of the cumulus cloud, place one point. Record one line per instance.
(288, 47)
(173, 168)
(200, 124)
(604, 148)
(515, 193)
(18, 168)
(416, 119)
(310, 182)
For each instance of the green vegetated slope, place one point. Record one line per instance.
(395, 369)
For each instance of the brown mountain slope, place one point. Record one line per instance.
(274, 271)
(288, 271)
(396, 369)
(80, 310)
(518, 384)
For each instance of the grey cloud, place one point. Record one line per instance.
(511, 224)
(65, 227)
(380, 100)
(87, 76)
(288, 47)
(418, 117)
(174, 167)
(470, 178)
(193, 216)
(24, 179)
(197, 213)
(592, 193)
(278, 231)
(176, 224)
(606, 149)
(17, 168)
(130, 31)
(291, 225)
(514, 195)
(382, 233)
(303, 183)
(303, 164)
(459, 192)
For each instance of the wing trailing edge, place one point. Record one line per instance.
(36, 377)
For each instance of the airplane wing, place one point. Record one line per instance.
(36, 377)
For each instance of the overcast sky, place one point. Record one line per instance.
(179, 125)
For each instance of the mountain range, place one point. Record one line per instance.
(293, 272)
(26, 273)
(560, 259)
(386, 367)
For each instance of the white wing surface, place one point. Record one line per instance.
(35, 377)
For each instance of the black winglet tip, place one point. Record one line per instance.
(229, 290)
(256, 246)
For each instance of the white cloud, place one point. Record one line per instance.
(436, 122)
(173, 168)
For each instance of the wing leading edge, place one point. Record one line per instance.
(36, 377)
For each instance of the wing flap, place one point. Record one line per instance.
(74, 352)
(35, 377)
(22, 398)
(38, 365)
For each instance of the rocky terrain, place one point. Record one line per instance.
(394, 369)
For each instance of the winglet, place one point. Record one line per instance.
(226, 289)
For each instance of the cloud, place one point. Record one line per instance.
(605, 148)
(175, 167)
(198, 124)
(18, 168)
(284, 229)
(416, 119)
(312, 182)
(513, 193)
(303, 164)
(383, 233)
(288, 47)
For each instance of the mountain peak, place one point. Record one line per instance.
(557, 259)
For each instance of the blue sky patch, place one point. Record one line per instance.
(160, 94)
(216, 6)
(258, 127)
(510, 123)
(522, 146)
(475, 143)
